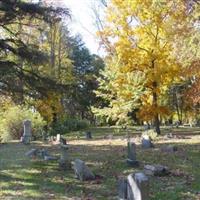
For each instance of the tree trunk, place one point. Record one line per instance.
(59, 53)
(52, 42)
(155, 104)
(177, 108)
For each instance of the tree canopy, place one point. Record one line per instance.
(141, 38)
(18, 20)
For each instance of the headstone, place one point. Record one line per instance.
(32, 153)
(122, 188)
(82, 172)
(169, 149)
(156, 170)
(42, 153)
(26, 138)
(137, 187)
(63, 141)
(47, 158)
(131, 160)
(146, 142)
(88, 135)
(58, 138)
(64, 162)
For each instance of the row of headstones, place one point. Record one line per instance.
(147, 143)
(136, 186)
(133, 162)
(27, 136)
(82, 171)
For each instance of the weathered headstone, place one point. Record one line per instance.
(32, 153)
(156, 170)
(64, 162)
(88, 135)
(137, 187)
(49, 157)
(122, 188)
(146, 142)
(131, 160)
(82, 172)
(169, 149)
(26, 138)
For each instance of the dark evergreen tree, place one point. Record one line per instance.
(16, 57)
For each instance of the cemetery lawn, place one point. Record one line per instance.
(24, 179)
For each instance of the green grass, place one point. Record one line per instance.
(23, 179)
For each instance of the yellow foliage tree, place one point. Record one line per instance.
(49, 107)
(141, 34)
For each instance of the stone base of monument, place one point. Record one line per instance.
(26, 139)
(132, 163)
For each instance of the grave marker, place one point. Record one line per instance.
(131, 160)
(26, 138)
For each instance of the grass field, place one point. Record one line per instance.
(25, 179)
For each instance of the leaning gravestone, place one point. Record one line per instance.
(82, 172)
(32, 153)
(64, 162)
(26, 138)
(131, 160)
(137, 187)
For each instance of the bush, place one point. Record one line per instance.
(150, 133)
(67, 125)
(11, 122)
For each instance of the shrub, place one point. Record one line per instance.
(11, 122)
(67, 125)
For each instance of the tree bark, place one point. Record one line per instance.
(155, 104)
